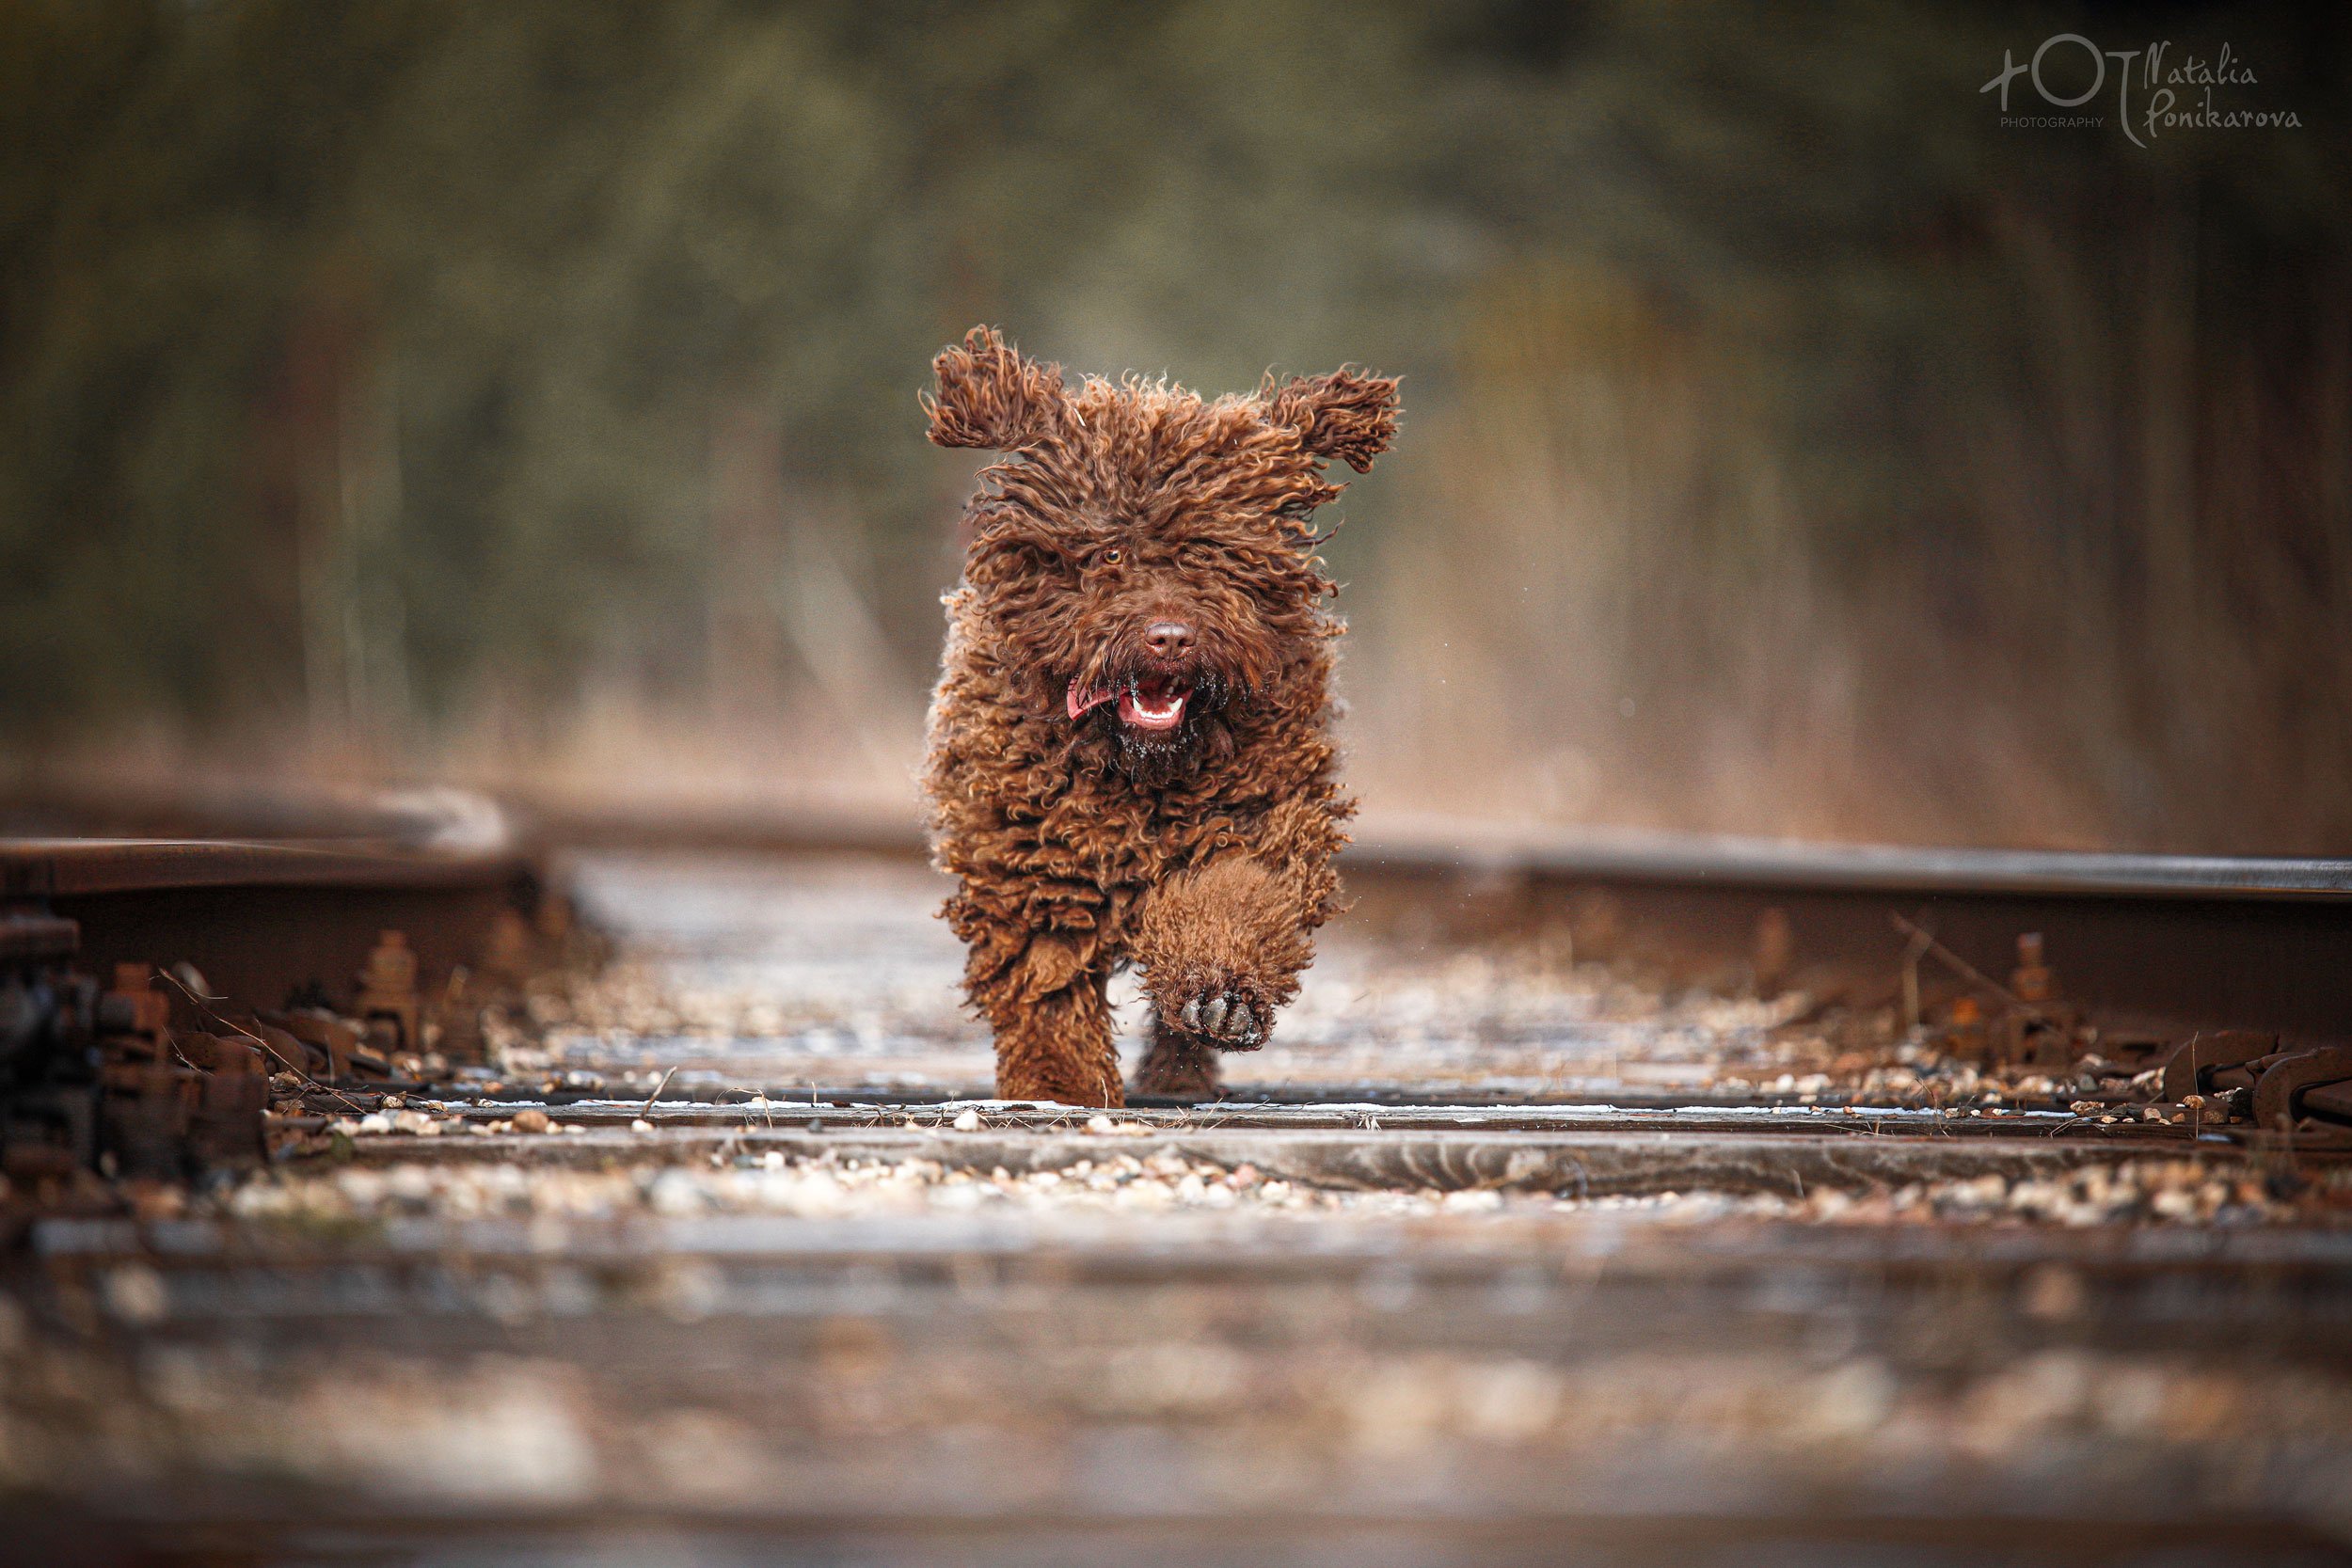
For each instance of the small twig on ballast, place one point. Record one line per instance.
(1913, 951)
(657, 1092)
(268, 1050)
(1966, 970)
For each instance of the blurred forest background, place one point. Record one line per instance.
(524, 393)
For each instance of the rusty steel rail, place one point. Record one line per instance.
(152, 990)
(2155, 947)
(2244, 943)
(2197, 940)
(2170, 943)
(1617, 854)
(79, 867)
(258, 919)
(2183, 940)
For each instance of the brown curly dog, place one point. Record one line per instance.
(1130, 751)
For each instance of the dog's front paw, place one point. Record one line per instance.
(1227, 1011)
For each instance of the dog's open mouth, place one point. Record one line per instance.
(1145, 701)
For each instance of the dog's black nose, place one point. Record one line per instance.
(1168, 638)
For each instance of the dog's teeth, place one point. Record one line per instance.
(1214, 1015)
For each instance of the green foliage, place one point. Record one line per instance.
(366, 364)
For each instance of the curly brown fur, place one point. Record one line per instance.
(1130, 752)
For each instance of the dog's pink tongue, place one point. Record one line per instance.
(1081, 699)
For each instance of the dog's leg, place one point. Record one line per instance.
(1178, 1062)
(1221, 947)
(1053, 1025)
(1059, 1048)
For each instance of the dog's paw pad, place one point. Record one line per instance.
(1226, 1015)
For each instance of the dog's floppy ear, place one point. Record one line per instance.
(990, 397)
(1347, 415)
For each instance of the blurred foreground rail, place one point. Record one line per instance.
(451, 1203)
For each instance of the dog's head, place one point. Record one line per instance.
(1146, 559)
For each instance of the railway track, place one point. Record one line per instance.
(2220, 942)
(1637, 1198)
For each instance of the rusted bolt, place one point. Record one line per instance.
(134, 1006)
(388, 987)
(2032, 979)
(1964, 1033)
(507, 955)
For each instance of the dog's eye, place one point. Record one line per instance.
(1110, 557)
